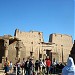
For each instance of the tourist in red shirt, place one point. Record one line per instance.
(48, 64)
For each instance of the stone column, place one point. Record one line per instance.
(19, 53)
(6, 45)
(18, 47)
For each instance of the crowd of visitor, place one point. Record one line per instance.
(44, 67)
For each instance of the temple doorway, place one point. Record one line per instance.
(2, 52)
(49, 53)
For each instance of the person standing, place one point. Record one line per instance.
(36, 66)
(54, 66)
(48, 64)
(11, 66)
(18, 64)
(40, 65)
(22, 65)
(6, 65)
(27, 66)
(31, 67)
(44, 67)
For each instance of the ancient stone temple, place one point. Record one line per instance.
(73, 52)
(31, 44)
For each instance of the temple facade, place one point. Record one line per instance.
(63, 45)
(31, 44)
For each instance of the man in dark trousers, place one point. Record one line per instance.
(48, 64)
(29, 67)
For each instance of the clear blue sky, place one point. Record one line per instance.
(47, 16)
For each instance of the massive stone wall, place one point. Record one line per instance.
(63, 45)
(31, 41)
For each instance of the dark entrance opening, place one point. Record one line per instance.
(2, 52)
(49, 53)
(40, 56)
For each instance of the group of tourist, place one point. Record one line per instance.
(29, 66)
(45, 67)
(34, 68)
